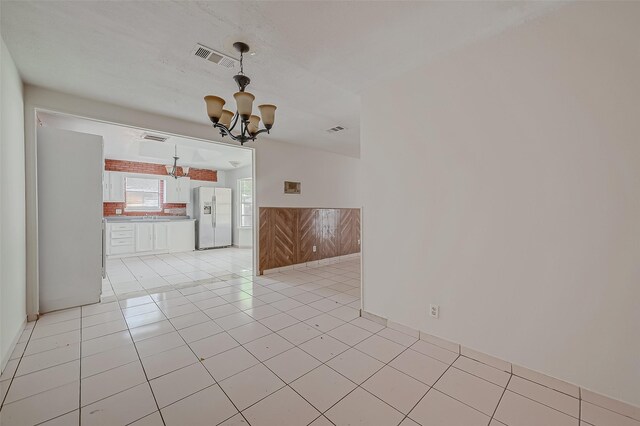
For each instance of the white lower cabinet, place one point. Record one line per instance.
(151, 237)
(144, 237)
(161, 236)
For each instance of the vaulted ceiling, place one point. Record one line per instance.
(312, 58)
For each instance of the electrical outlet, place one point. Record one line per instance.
(118, 211)
(434, 311)
(314, 249)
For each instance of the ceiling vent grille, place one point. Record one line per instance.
(213, 56)
(155, 138)
(336, 129)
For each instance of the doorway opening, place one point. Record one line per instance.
(174, 211)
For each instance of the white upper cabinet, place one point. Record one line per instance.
(177, 190)
(113, 187)
(184, 185)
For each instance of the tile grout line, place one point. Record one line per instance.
(429, 390)
(13, 376)
(501, 396)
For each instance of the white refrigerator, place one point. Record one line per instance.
(70, 228)
(212, 211)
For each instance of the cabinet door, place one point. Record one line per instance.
(144, 237)
(184, 190)
(160, 236)
(105, 186)
(116, 187)
(171, 190)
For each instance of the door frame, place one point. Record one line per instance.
(31, 141)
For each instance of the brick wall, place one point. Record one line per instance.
(109, 209)
(157, 169)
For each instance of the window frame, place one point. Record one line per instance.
(143, 209)
(241, 203)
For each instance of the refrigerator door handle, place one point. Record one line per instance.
(213, 211)
(104, 250)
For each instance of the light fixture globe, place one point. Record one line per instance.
(225, 120)
(214, 107)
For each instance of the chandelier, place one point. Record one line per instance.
(173, 171)
(226, 120)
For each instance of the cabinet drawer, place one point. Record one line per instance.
(122, 249)
(121, 226)
(122, 242)
(121, 234)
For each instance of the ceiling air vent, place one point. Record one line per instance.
(155, 138)
(213, 56)
(335, 129)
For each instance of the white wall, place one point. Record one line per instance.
(12, 208)
(328, 179)
(515, 202)
(242, 237)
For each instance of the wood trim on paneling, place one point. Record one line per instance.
(287, 235)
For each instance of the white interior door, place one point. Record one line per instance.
(69, 166)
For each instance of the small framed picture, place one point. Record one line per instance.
(291, 187)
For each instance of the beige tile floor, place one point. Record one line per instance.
(232, 349)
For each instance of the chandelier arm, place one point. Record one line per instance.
(235, 121)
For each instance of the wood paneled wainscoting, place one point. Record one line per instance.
(287, 236)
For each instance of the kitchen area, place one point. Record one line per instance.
(174, 210)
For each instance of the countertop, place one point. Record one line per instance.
(137, 219)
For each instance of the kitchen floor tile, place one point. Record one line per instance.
(209, 406)
(396, 388)
(268, 346)
(213, 345)
(42, 406)
(110, 382)
(251, 385)
(120, 409)
(180, 383)
(228, 363)
(349, 334)
(438, 409)
(471, 390)
(380, 348)
(284, 407)
(362, 408)
(249, 332)
(323, 387)
(323, 347)
(299, 333)
(426, 369)
(516, 410)
(355, 365)
(292, 364)
(168, 361)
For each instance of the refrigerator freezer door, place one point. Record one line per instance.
(222, 202)
(204, 215)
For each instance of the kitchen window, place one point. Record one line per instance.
(245, 203)
(142, 195)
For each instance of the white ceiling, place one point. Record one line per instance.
(126, 143)
(313, 58)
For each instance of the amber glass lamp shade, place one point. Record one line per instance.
(268, 113)
(214, 107)
(226, 117)
(244, 101)
(254, 123)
